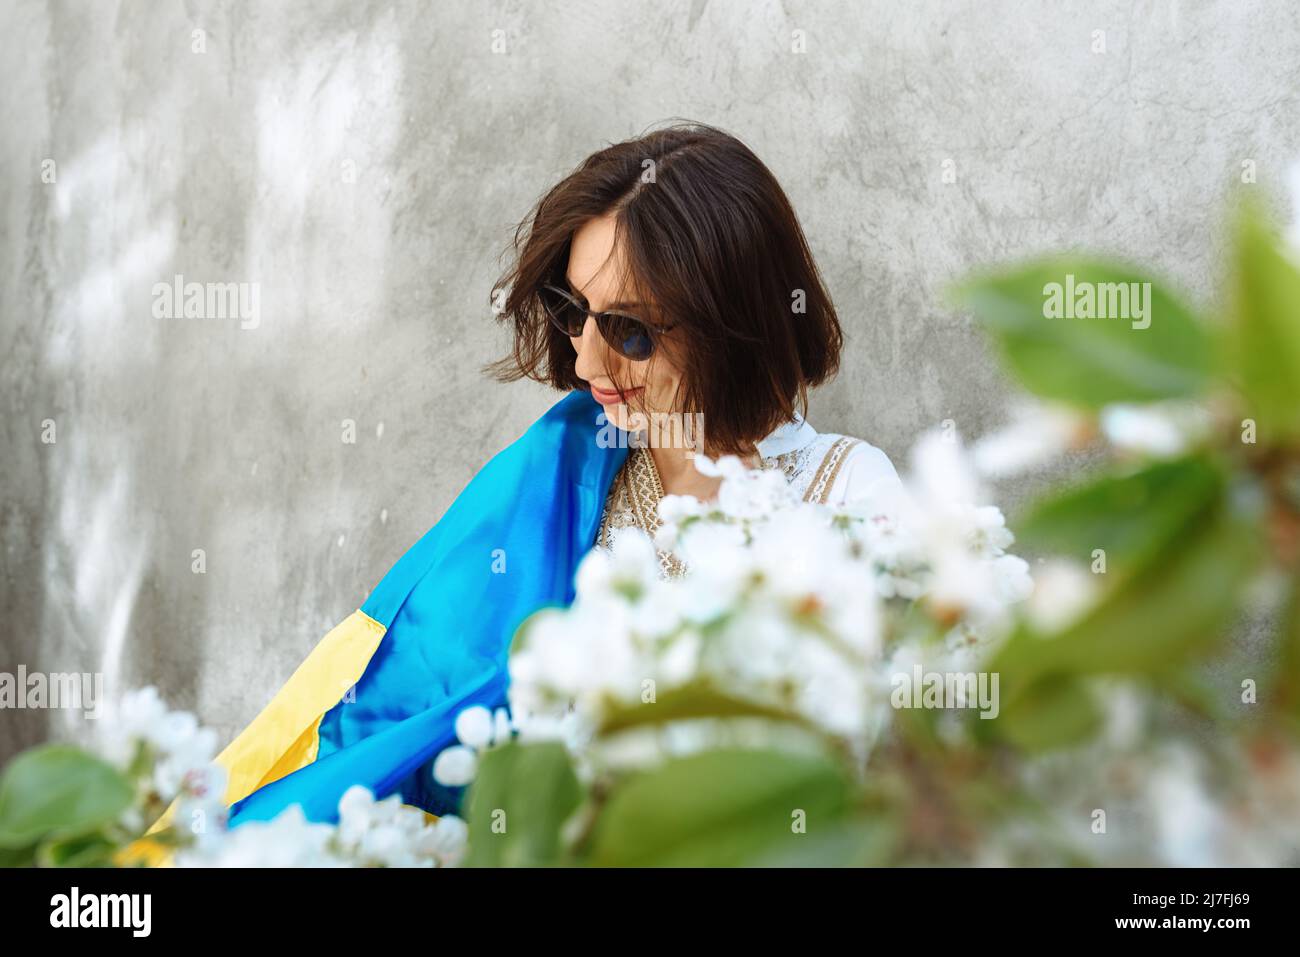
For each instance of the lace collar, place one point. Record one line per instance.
(789, 437)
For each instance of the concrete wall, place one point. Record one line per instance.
(364, 162)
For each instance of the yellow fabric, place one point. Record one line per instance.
(144, 852)
(285, 735)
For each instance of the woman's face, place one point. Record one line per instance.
(594, 270)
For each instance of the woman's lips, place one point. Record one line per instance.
(612, 398)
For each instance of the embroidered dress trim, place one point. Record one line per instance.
(824, 481)
(634, 497)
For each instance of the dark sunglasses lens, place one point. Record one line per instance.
(629, 337)
(566, 316)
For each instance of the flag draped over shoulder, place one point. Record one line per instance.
(376, 700)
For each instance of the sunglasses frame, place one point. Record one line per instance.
(653, 332)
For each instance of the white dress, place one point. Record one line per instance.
(821, 467)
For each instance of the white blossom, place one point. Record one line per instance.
(1187, 823)
(369, 833)
(474, 727)
(1037, 434)
(782, 602)
(1062, 591)
(1158, 430)
(173, 744)
(290, 840)
(455, 766)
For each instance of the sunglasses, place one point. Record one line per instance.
(628, 335)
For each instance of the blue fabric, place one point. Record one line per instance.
(509, 545)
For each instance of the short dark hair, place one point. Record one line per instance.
(716, 245)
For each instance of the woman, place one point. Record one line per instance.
(668, 276)
(666, 280)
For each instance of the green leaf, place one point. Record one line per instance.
(18, 857)
(1188, 687)
(520, 799)
(1132, 517)
(1175, 608)
(697, 700)
(86, 850)
(1054, 713)
(1091, 362)
(1286, 690)
(860, 842)
(58, 791)
(720, 808)
(1265, 335)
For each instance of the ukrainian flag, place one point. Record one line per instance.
(375, 701)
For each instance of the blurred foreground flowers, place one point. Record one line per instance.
(65, 806)
(881, 683)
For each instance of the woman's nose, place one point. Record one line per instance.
(593, 352)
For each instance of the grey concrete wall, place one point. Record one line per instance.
(235, 164)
